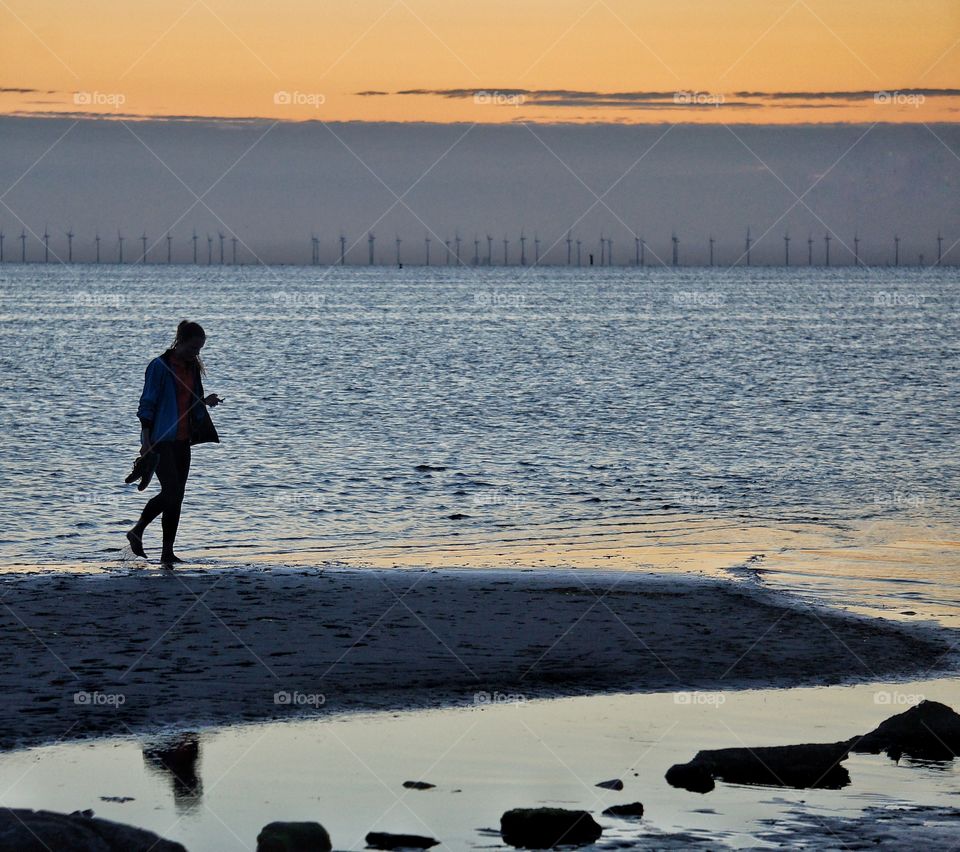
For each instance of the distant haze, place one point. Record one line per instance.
(273, 185)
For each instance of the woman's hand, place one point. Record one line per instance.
(212, 400)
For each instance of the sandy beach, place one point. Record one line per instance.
(111, 654)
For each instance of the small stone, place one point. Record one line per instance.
(385, 840)
(612, 784)
(545, 828)
(418, 785)
(293, 837)
(634, 809)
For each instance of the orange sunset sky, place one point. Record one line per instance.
(762, 61)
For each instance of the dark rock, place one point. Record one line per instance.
(613, 784)
(385, 840)
(634, 809)
(544, 828)
(418, 785)
(810, 765)
(293, 837)
(457, 516)
(929, 731)
(24, 830)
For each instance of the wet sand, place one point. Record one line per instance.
(118, 653)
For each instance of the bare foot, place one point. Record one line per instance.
(136, 544)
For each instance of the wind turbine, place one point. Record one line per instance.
(523, 248)
(1, 244)
(23, 245)
(120, 239)
(826, 243)
(748, 244)
(169, 246)
(46, 245)
(643, 252)
(569, 241)
(476, 250)
(712, 241)
(578, 253)
(209, 250)
(69, 247)
(609, 251)
(426, 248)
(506, 256)
(398, 241)
(676, 249)
(489, 250)
(896, 250)
(446, 244)
(234, 240)
(456, 240)
(536, 249)
(856, 249)
(603, 249)
(370, 240)
(343, 249)
(96, 239)
(194, 246)
(221, 236)
(314, 249)
(939, 248)
(809, 249)
(786, 249)
(143, 256)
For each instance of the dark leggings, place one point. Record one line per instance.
(173, 467)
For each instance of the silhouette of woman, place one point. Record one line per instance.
(173, 416)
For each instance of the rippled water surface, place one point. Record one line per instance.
(371, 402)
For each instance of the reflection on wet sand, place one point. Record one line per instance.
(177, 757)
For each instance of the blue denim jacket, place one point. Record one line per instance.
(158, 405)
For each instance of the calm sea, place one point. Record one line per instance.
(364, 403)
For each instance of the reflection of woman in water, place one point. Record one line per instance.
(173, 415)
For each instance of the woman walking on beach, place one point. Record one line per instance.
(173, 416)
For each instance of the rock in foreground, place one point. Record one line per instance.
(929, 731)
(24, 830)
(293, 837)
(811, 765)
(385, 840)
(544, 828)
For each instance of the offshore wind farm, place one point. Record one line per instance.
(36, 248)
